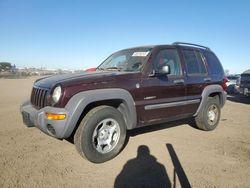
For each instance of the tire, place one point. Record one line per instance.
(101, 134)
(208, 118)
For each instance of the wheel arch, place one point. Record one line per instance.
(212, 91)
(80, 104)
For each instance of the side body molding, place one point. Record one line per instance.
(208, 90)
(78, 102)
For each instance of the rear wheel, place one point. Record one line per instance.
(209, 117)
(101, 134)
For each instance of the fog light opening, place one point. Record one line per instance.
(51, 129)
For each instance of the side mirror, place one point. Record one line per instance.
(165, 69)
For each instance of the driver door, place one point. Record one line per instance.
(163, 94)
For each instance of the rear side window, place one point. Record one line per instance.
(213, 64)
(194, 62)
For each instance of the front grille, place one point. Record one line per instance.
(39, 97)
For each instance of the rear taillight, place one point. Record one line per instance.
(224, 85)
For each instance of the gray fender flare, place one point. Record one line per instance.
(78, 102)
(208, 90)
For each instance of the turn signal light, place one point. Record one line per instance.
(51, 116)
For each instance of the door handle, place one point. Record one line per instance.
(207, 79)
(179, 81)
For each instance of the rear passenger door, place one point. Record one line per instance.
(196, 78)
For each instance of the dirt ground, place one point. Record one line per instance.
(157, 156)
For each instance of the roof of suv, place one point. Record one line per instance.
(181, 44)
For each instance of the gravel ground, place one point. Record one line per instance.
(169, 155)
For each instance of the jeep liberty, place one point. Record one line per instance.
(132, 88)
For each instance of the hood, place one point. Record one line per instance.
(83, 78)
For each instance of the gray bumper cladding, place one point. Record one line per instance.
(37, 118)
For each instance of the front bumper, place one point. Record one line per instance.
(37, 118)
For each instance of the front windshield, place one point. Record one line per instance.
(131, 60)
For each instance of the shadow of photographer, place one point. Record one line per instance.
(143, 171)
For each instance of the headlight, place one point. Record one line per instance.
(57, 94)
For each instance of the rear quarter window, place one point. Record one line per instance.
(213, 63)
(194, 62)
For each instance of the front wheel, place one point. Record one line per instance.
(209, 117)
(101, 134)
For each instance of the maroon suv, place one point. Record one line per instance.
(132, 88)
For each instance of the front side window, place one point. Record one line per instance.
(194, 62)
(168, 57)
(130, 60)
